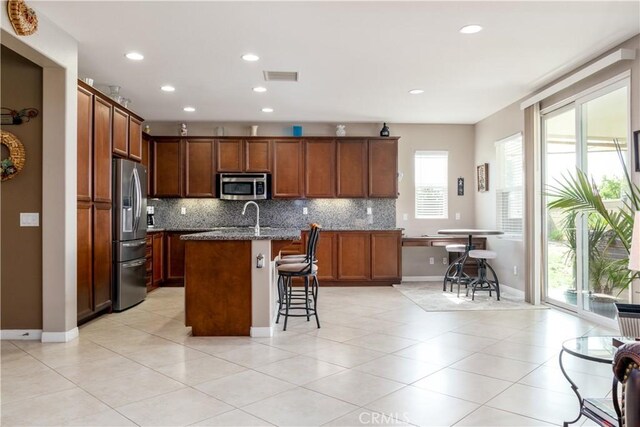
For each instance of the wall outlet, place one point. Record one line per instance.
(305, 211)
(405, 217)
(515, 270)
(183, 211)
(369, 211)
(432, 260)
(457, 216)
(29, 219)
(445, 261)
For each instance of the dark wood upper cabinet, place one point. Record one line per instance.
(229, 155)
(135, 139)
(320, 168)
(199, 172)
(386, 257)
(85, 142)
(120, 132)
(166, 165)
(383, 168)
(351, 165)
(288, 169)
(257, 156)
(145, 159)
(354, 262)
(102, 150)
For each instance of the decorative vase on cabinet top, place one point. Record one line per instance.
(341, 130)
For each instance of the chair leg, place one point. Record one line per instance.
(315, 300)
(280, 297)
(286, 315)
(306, 296)
(496, 282)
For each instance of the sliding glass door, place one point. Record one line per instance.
(581, 255)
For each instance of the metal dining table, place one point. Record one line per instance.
(470, 232)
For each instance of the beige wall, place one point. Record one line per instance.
(498, 126)
(21, 247)
(457, 139)
(510, 120)
(57, 53)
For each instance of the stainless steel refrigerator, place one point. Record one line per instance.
(129, 233)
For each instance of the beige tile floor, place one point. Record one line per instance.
(379, 359)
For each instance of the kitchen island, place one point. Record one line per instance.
(229, 280)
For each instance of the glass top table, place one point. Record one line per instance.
(595, 349)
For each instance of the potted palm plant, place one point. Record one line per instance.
(608, 228)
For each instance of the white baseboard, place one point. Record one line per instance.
(21, 334)
(512, 289)
(262, 332)
(60, 336)
(422, 278)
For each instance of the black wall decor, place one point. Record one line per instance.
(636, 154)
(461, 186)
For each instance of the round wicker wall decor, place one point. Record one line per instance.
(12, 165)
(22, 17)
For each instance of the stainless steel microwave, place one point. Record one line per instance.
(244, 186)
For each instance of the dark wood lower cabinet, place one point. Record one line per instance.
(158, 258)
(354, 256)
(94, 259)
(85, 260)
(386, 255)
(102, 249)
(357, 258)
(174, 258)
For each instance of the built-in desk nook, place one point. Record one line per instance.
(439, 240)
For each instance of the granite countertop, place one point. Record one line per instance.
(245, 233)
(203, 229)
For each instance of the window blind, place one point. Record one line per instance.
(509, 188)
(431, 191)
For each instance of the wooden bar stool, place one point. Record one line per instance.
(482, 283)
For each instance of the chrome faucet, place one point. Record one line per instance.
(244, 209)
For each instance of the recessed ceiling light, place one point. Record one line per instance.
(416, 91)
(189, 109)
(135, 56)
(267, 110)
(471, 29)
(260, 89)
(251, 57)
(168, 88)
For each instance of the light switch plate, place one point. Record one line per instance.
(369, 211)
(405, 217)
(183, 211)
(305, 211)
(29, 219)
(457, 216)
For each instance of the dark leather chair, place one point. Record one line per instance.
(626, 370)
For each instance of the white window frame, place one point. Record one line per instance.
(443, 186)
(513, 227)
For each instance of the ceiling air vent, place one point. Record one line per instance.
(280, 76)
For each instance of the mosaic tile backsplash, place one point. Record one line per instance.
(330, 213)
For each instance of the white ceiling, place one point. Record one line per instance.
(357, 60)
